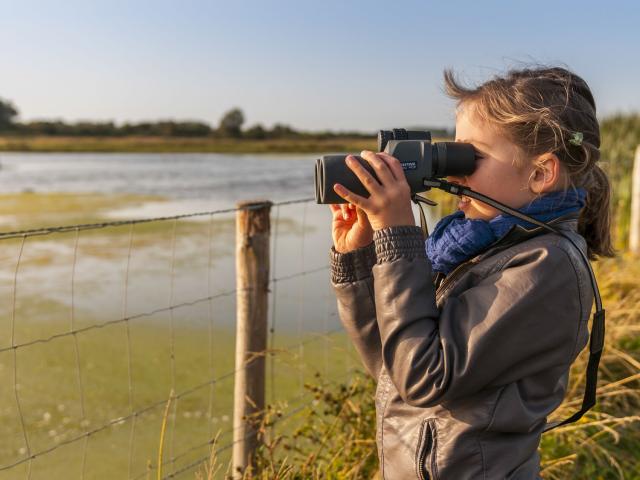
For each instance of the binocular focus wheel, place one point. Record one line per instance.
(383, 138)
(400, 134)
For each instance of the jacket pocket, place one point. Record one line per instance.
(426, 467)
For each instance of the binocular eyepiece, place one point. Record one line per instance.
(421, 160)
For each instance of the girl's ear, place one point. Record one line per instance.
(546, 174)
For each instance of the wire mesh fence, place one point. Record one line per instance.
(105, 324)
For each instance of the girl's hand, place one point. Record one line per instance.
(389, 202)
(350, 228)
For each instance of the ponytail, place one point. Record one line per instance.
(595, 218)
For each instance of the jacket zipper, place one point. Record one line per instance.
(458, 271)
(426, 447)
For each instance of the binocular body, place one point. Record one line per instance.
(420, 159)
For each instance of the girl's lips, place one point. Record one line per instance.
(464, 202)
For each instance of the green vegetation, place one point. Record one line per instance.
(147, 144)
(174, 136)
(7, 114)
(620, 138)
(159, 136)
(335, 438)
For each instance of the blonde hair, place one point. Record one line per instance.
(541, 110)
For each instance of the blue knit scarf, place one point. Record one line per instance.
(456, 239)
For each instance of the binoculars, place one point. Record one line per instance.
(421, 161)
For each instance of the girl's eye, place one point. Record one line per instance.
(479, 154)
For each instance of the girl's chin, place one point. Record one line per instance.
(466, 207)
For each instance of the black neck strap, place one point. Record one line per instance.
(596, 342)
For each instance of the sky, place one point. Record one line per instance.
(314, 65)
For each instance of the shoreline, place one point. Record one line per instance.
(56, 144)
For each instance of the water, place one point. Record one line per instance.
(163, 271)
(189, 180)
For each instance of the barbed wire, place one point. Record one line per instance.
(156, 404)
(133, 414)
(252, 431)
(220, 434)
(227, 446)
(151, 313)
(119, 223)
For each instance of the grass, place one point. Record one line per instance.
(605, 443)
(336, 436)
(181, 144)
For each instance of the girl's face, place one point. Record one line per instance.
(496, 174)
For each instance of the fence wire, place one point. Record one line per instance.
(133, 413)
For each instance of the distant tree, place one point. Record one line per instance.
(280, 130)
(7, 113)
(257, 131)
(190, 129)
(231, 123)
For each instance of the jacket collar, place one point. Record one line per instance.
(518, 233)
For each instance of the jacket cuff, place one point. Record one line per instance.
(392, 243)
(352, 266)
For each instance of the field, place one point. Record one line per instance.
(181, 144)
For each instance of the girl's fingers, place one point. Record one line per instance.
(370, 183)
(336, 211)
(351, 197)
(345, 211)
(363, 220)
(394, 165)
(339, 211)
(385, 175)
(342, 210)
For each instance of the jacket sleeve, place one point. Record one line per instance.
(352, 282)
(519, 320)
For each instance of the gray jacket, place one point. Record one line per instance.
(468, 367)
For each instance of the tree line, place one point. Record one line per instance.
(231, 125)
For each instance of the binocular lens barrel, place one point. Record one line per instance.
(420, 160)
(453, 159)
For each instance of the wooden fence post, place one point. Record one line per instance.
(252, 284)
(634, 227)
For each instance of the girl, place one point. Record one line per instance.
(471, 336)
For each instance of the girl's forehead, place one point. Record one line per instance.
(468, 112)
(468, 124)
(471, 126)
